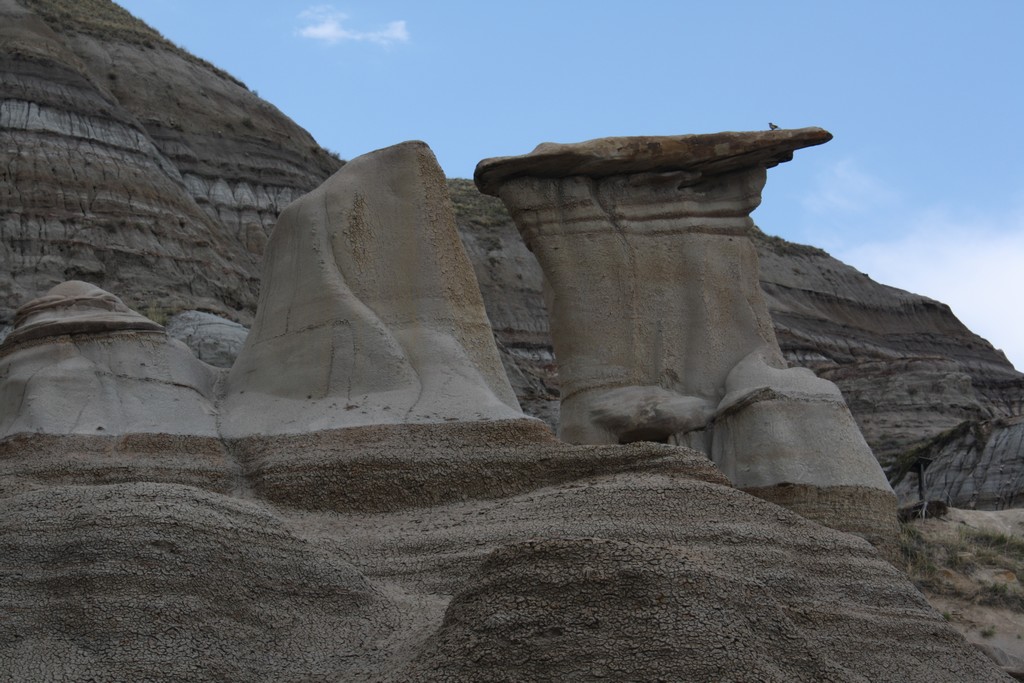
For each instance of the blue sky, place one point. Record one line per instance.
(922, 187)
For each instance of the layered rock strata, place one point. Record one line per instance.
(213, 339)
(101, 119)
(646, 574)
(369, 312)
(974, 465)
(384, 468)
(657, 319)
(129, 163)
(908, 368)
(144, 581)
(81, 362)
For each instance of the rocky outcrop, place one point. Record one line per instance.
(168, 582)
(129, 163)
(907, 366)
(656, 314)
(654, 572)
(510, 282)
(684, 609)
(369, 312)
(213, 339)
(93, 392)
(81, 362)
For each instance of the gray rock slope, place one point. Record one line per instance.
(973, 465)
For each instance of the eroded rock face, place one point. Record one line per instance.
(427, 547)
(75, 307)
(610, 278)
(214, 340)
(132, 164)
(369, 312)
(657, 318)
(729, 600)
(128, 163)
(974, 465)
(650, 571)
(145, 580)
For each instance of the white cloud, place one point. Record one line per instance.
(326, 24)
(974, 264)
(845, 188)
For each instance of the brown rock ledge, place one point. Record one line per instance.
(705, 155)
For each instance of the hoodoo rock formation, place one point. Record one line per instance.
(456, 541)
(908, 369)
(369, 312)
(659, 327)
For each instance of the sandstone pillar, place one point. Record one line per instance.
(369, 311)
(659, 326)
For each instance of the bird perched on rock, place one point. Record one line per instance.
(772, 126)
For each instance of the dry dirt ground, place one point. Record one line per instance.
(969, 564)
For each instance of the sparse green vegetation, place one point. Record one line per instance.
(976, 554)
(998, 545)
(918, 557)
(905, 461)
(159, 314)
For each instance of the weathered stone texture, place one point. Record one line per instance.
(657, 318)
(645, 573)
(908, 369)
(369, 312)
(213, 339)
(167, 582)
(974, 465)
(400, 552)
(128, 163)
(143, 169)
(383, 468)
(81, 362)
